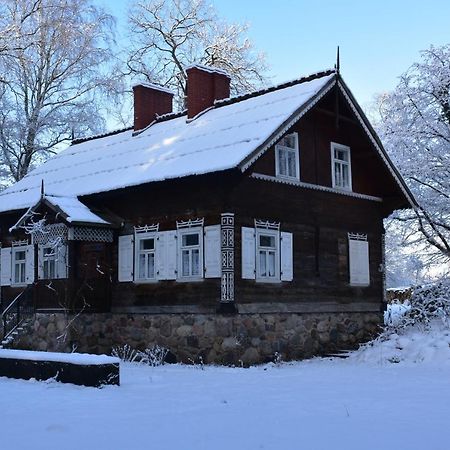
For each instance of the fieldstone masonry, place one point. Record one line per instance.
(223, 339)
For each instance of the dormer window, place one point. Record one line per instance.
(287, 163)
(341, 168)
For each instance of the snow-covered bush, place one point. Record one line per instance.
(125, 353)
(428, 303)
(153, 356)
(414, 332)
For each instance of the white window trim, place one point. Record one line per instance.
(181, 232)
(297, 159)
(276, 234)
(333, 146)
(137, 238)
(14, 250)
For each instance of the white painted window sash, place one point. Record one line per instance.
(338, 166)
(188, 253)
(148, 254)
(282, 167)
(264, 254)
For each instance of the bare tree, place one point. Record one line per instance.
(170, 35)
(415, 127)
(55, 61)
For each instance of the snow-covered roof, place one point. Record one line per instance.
(72, 210)
(217, 140)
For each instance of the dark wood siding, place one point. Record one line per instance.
(320, 223)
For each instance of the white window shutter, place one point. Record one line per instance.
(40, 262)
(5, 267)
(287, 257)
(171, 255)
(161, 256)
(29, 264)
(359, 262)
(62, 261)
(125, 272)
(166, 255)
(248, 253)
(213, 262)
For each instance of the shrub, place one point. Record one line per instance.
(125, 353)
(153, 356)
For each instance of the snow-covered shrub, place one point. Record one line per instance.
(428, 303)
(125, 353)
(153, 356)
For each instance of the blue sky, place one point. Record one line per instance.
(378, 39)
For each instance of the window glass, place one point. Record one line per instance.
(266, 240)
(147, 244)
(190, 239)
(20, 255)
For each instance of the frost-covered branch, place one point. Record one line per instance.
(170, 35)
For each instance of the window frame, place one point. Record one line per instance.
(279, 147)
(15, 249)
(182, 232)
(141, 236)
(335, 146)
(49, 259)
(276, 235)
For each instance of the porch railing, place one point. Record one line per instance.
(19, 310)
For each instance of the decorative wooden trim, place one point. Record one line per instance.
(357, 236)
(190, 223)
(20, 243)
(227, 252)
(50, 233)
(267, 225)
(260, 176)
(91, 234)
(154, 228)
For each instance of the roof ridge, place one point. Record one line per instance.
(275, 87)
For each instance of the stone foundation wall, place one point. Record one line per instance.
(235, 339)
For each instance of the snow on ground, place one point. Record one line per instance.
(394, 394)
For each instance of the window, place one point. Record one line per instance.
(52, 261)
(287, 157)
(267, 267)
(145, 257)
(190, 254)
(267, 253)
(19, 264)
(49, 262)
(341, 166)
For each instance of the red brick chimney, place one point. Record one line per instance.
(204, 86)
(150, 100)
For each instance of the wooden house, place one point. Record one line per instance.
(263, 207)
